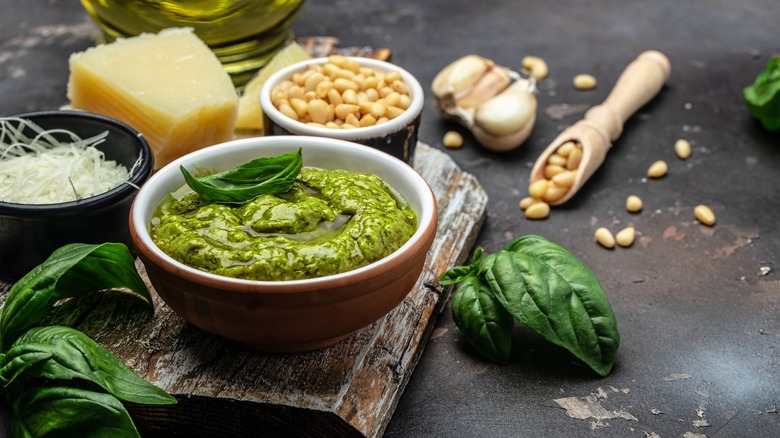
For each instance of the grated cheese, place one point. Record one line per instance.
(44, 170)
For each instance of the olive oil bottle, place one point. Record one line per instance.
(244, 34)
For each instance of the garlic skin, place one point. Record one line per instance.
(496, 104)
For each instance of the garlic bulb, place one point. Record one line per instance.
(496, 104)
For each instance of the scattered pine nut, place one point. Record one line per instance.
(536, 66)
(584, 82)
(682, 148)
(604, 238)
(526, 202)
(657, 169)
(633, 204)
(704, 215)
(625, 237)
(452, 140)
(537, 210)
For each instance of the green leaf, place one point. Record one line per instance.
(267, 175)
(73, 355)
(58, 412)
(763, 96)
(485, 323)
(458, 274)
(546, 288)
(72, 270)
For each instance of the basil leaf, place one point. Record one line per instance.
(70, 412)
(485, 323)
(763, 96)
(458, 274)
(72, 270)
(243, 183)
(73, 355)
(549, 290)
(16, 362)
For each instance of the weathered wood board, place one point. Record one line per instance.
(349, 389)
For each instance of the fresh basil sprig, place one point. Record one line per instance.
(62, 353)
(64, 411)
(763, 96)
(72, 270)
(267, 175)
(543, 286)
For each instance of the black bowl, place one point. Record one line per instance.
(29, 233)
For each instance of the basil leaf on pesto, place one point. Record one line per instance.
(261, 176)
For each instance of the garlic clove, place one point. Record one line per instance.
(508, 112)
(458, 77)
(504, 143)
(490, 84)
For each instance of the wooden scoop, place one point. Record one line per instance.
(603, 124)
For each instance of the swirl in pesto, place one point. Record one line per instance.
(328, 222)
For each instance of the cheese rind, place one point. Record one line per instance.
(169, 86)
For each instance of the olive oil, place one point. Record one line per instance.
(244, 34)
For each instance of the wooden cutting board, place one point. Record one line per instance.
(348, 389)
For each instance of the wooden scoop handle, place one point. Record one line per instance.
(603, 124)
(639, 82)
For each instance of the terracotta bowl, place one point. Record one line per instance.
(29, 233)
(397, 137)
(295, 315)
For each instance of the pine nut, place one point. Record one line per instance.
(558, 160)
(565, 149)
(574, 159)
(392, 77)
(353, 120)
(312, 81)
(300, 106)
(536, 66)
(345, 109)
(318, 111)
(538, 188)
(537, 210)
(657, 169)
(604, 238)
(323, 89)
(554, 193)
(527, 202)
(334, 97)
(584, 82)
(682, 148)
(564, 179)
(633, 204)
(287, 110)
(367, 120)
(552, 170)
(393, 111)
(337, 60)
(625, 237)
(452, 140)
(404, 101)
(704, 215)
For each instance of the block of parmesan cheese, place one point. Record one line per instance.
(169, 86)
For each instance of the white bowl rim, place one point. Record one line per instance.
(296, 127)
(143, 208)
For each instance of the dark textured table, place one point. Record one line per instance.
(698, 308)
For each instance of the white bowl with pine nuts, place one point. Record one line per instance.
(362, 100)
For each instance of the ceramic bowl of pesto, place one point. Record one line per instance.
(35, 221)
(287, 315)
(397, 135)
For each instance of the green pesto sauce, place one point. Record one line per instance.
(330, 221)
